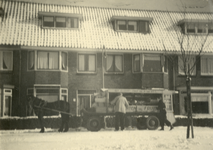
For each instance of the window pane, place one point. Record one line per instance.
(74, 23)
(64, 61)
(42, 60)
(191, 28)
(60, 22)
(132, 25)
(81, 62)
(53, 60)
(7, 61)
(136, 63)
(207, 66)
(201, 28)
(31, 60)
(48, 22)
(152, 63)
(114, 63)
(210, 28)
(121, 25)
(91, 62)
(109, 63)
(118, 64)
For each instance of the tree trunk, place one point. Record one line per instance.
(189, 108)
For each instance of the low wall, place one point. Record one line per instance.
(75, 122)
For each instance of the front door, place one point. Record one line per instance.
(84, 102)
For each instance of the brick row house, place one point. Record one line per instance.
(64, 52)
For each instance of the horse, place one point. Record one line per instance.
(43, 108)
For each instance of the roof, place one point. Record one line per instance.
(20, 27)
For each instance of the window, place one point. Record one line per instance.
(114, 63)
(48, 60)
(86, 63)
(206, 65)
(149, 63)
(210, 28)
(59, 20)
(196, 26)
(41, 60)
(127, 25)
(189, 62)
(6, 60)
(131, 24)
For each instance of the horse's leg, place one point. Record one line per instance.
(66, 123)
(62, 123)
(40, 117)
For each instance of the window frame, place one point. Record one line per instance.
(141, 28)
(1, 59)
(205, 57)
(105, 64)
(35, 57)
(86, 72)
(196, 23)
(163, 62)
(68, 20)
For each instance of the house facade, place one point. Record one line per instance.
(58, 52)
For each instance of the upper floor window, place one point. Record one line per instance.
(114, 63)
(195, 26)
(187, 65)
(86, 63)
(6, 60)
(59, 20)
(131, 24)
(206, 65)
(149, 63)
(47, 60)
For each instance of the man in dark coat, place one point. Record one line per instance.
(162, 115)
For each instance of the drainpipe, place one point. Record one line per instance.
(19, 101)
(103, 66)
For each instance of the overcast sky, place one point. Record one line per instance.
(171, 5)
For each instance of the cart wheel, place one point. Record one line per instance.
(141, 123)
(152, 122)
(94, 124)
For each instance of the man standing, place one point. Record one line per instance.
(121, 105)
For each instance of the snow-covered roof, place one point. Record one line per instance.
(20, 26)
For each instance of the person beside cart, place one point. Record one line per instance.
(162, 115)
(121, 105)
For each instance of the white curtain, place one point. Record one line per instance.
(53, 60)
(118, 63)
(210, 65)
(207, 65)
(31, 60)
(81, 62)
(7, 59)
(91, 62)
(64, 61)
(109, 62)
(136, 62)
(42, 60)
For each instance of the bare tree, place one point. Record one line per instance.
(191, 38)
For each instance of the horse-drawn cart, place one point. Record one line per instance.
(142, 105)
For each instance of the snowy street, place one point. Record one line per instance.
(107, 139)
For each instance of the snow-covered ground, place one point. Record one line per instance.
(107, 139)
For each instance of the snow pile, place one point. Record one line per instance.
(107, 139)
